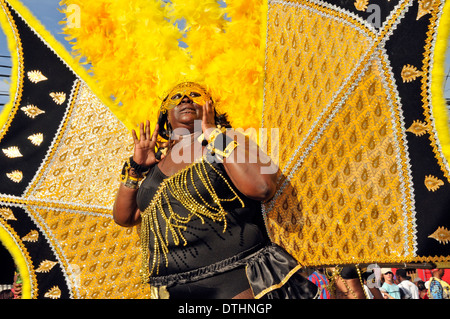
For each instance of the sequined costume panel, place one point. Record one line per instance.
(363, 179)
(202, 240)
(61, 151)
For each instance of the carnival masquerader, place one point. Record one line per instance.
(201, 227)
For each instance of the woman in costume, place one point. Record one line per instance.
(198, 207)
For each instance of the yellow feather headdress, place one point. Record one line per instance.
(138, 50)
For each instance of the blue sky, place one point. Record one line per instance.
(47, 12)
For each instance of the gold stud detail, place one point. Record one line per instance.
(12, 152)
(433, 183)
(361, 5)
(31, 237)
(410, 73)
(53, 293)
(418, 128)
(7, 214)
(425, 6)
(36, 76)
(46, 266)
(32, 111)
(36, 139)
(58, 97)
(16, 176)
(442, 235)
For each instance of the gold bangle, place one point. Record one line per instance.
(228, 150)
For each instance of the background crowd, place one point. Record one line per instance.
(390, 283)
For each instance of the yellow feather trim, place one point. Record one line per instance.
(54, 44)
(135, 54)
(4, 23)
(437, 82)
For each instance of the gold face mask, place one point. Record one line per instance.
(194, 91)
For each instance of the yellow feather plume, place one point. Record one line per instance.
(134, 51)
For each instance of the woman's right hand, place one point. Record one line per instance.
(144, 146)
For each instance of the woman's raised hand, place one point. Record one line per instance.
(144, 146)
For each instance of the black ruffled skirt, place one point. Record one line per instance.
(270, 272)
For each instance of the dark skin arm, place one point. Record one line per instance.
(125, 210)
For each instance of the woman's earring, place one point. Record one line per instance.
(169, 130)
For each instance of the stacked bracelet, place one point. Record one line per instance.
(139, 169)
(132, 181)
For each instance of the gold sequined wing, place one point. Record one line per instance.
(62, 149)
(357, 141)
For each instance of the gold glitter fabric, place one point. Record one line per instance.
(362, 177)
(62, 151)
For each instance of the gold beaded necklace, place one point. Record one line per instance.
(177, 186)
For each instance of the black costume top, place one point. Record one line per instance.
(197, 225)
(206, 241)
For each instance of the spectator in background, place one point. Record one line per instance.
(367, 291)
(437, 288)
(15, 292)
(423, 291)
(389, 289)
(410, 290)
(320, 280)
(6, 294)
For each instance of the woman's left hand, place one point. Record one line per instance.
(208, 121)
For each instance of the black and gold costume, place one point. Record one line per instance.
(205, 239)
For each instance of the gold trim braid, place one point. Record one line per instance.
(160, 211)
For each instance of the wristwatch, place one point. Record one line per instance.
(126, 179)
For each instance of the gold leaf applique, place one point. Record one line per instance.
(7, 214)
(410, 73)
(36, 139)
(53, 293)
(425, 6)
(31, 237)
(36, 76)
(361, 5)
(419, 128)
(12, 152)
(46, 266)
(58, 97)
(433, 183)
(32, 111)
(16, 176)
(442, 235)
